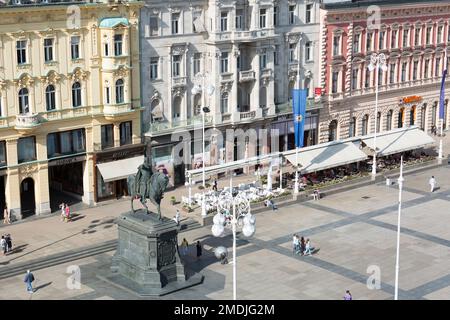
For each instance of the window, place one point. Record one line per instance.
(119, 91)
(2, 153)
(400, 118)
(354, 79)
(176, 64)
(275, 56)
(365, 125)
(439, 34)
(196, 64)
(224, 62)
(392, 73)
(67, 142)
(50, 97)
(423, 111)
(415, 67)
(263, 61)
(106, 50)
(238, 62)
(48, 50)
(175, 18)
(125, 133)
(224, 21)
(239, 19)
(154, 68)
(275, 16)
(308, 13)
(412, 116)
(352, 127)
(108, 95)
(380, 77)
(107, 136)
(426, 69)
(389, 120)
(153, 26)
(334, 87)
(21, 51)
(378, 122)
(76, 94)
(428, 35)
(367, 79)
(24, 106)
(291, 14)
(262, 18)
(437, 66)
(118, 45)
(403, 76)
(336, 45)
(381, 37)
(369, 41)
(332, 131)
(356, 41)
(308, 49)
(417, 37)
(394, 38)
(26, 149)
(224, 103)
(291, 52)
(405, 38)
(433, 114)
(75, 47)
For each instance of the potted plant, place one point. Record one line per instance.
(173, 200)
(187, 208)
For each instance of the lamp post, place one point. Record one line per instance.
(233, 210)
(377, 62)
(298, 87)
(400, 187)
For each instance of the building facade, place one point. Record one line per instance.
(70, 94)
(248, 52)
(413, 36)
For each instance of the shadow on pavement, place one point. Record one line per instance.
(42, 286)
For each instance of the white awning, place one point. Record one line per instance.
(396, 141)
(325, 156)
(119, 169)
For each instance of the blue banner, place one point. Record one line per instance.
(299, 111)
(442, 97)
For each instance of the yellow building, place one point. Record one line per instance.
(69, 101)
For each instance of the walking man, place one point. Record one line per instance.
(177, 217)
(199, 250)
(8, 241)
(348, 295)
(29, 278)
(432, 183)
(3, 245)
(215, 185)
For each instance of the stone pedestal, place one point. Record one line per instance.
(147, 260)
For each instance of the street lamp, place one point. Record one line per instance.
(239, 205)
(377, 62)
(400, 187)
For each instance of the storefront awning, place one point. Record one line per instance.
(325, 156)
(119, 169)
(396, 141)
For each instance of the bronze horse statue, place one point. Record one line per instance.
(146, 185)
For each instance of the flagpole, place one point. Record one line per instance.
(397, 260)
(444, 74)
(298, 87)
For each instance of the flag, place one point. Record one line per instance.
(442, 97)
(299, 111)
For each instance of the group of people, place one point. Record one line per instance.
(6, 244)
(300, 246)
(65, 212)
(185, 246)
(6, 216)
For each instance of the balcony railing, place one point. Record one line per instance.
(248, 115)
(248, 75)
(179, 81)
(117, 109)
(27, 120)
(243, 34)
(164, 126)
(286, 107)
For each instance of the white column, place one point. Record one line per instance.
(3, 104)
(254, 103)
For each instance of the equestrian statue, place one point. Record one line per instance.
(147, 185)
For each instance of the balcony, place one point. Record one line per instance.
(27, 122)
(116, 111)
(165, 127)
(226, 77)
(285, 108)
(248, 115)
(266, 73)
(248, 75)
(243, 35)
(179, 82)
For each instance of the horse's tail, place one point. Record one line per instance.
(130, 183)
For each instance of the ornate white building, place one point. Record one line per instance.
(248, 50)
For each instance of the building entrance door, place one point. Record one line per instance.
(27, 198)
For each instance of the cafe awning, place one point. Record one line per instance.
(119, 169)
(396, 141)
(325, 156)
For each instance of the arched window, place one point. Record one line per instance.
(365, 124)
(24, 106)
(176, 108)
(76, 95)
(50, 97)
(378, 122)
(389, 120)
(332, 131)
(119, 91)
(401, 114)
(352, 127)
(224, 103)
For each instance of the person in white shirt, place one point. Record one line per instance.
(295, 244)
(177, 217)
(432, 183)
(308, 249)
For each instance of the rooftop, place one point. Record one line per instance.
(341, 4)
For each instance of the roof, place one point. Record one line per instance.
(112, 22)
(342, 4)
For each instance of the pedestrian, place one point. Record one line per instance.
(8, 241)
(199, 250)
(29, 278)
(308, 249)
(302, 245)
(294, 243)
(67, 208)
(348, 295)
(215, 185)
(6, 216)
(3, 245)
(184, 247)
(432, 183)
(62, 206)
(177, 217)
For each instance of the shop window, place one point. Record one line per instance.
(64, 143)
(26, 149)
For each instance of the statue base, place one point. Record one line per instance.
(147, 261)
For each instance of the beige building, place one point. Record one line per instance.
(70, 101)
